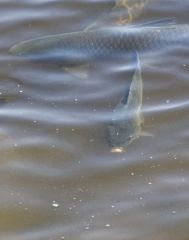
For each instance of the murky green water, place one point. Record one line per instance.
(58, 178)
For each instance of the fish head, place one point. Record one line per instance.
(33, 49)
(25, 48)
(57, 49)
(121, 133)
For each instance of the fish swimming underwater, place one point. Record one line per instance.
(76, 48)
(125, 125)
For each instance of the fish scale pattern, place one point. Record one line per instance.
(121, 40)
(111, 42)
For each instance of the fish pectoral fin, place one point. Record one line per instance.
(146, 134)
(81, 71)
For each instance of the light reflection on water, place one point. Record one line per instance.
(58, 178)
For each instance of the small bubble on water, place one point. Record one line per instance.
(55, 204)
(87, 227)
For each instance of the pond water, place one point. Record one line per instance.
(58, 177)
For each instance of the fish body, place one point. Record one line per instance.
(115, 42)
(125, 125)
(76, 48)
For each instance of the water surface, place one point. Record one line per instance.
(58, 178)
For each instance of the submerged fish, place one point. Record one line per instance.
(116, 42)
(109, 43)
(125, 125)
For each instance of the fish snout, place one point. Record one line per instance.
(14, 50)
(26, 48)
(20, 49)
(118, 135)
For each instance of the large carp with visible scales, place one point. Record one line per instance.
(78, 47)
(108, 43)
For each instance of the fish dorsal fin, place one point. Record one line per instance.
(158, 23)
(132, 98)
